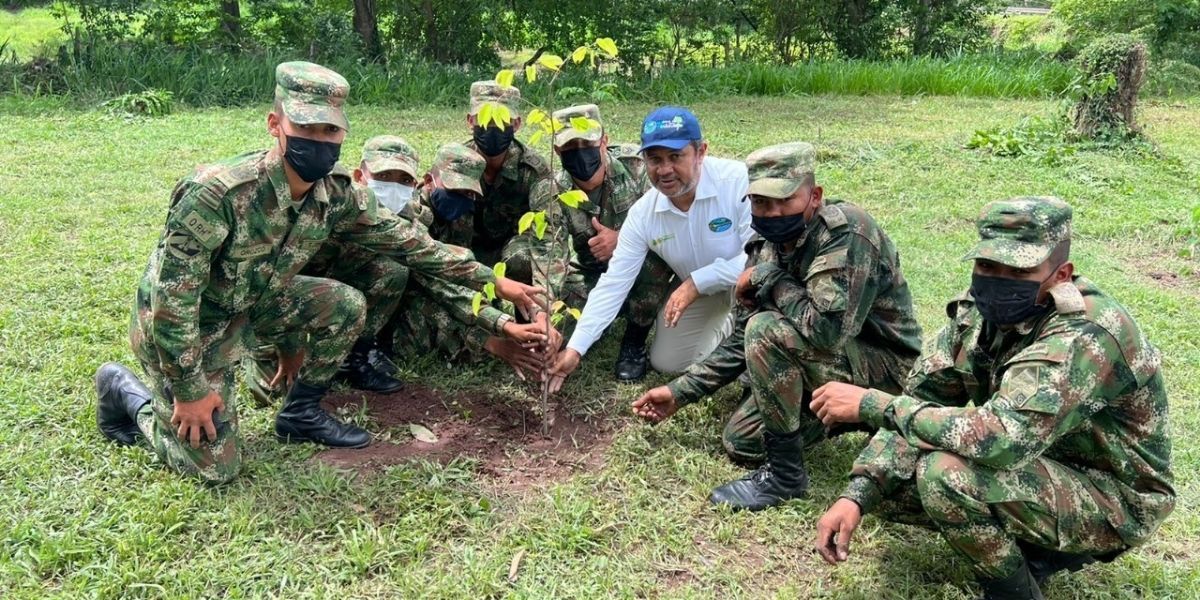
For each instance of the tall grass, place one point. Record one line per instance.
(202, 77)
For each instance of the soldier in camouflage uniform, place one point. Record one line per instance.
(226, 271)
(424, 324)
(613, 177)
(390, 168)
(515, 181)
(1032, 433)
(822, 299)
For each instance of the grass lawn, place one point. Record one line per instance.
(31, 31)
(82, 201)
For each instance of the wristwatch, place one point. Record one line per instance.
(504, 319)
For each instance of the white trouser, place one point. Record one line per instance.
(700, 329)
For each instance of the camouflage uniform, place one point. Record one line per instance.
(381, 279)
(1052, 432)
(624, 182)
(227, 270)
(835, 308)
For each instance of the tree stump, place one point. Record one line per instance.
(1114, 69)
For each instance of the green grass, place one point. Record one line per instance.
(31, 32)
(82, 201)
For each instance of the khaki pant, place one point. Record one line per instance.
(700, 329)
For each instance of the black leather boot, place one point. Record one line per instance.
(632, 363)
(303, 420)
(120, 395)
(1044, 562)
(782, 477)
(360, 372)
(1018, 586)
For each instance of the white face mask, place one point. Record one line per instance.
(394, 196)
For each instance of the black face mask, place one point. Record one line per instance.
(451, 206)
(311, 159)
(779, 230)
(581, 163)
(1004, 301)
(492, 141)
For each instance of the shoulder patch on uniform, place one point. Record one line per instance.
(1067, 299)
(833, 216)
(207, 232)
(828, 262)
(235, 176)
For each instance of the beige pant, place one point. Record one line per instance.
(700, 329)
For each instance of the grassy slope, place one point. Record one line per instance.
(82, 198)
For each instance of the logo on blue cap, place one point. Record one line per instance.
(670, 127)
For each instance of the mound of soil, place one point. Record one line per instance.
(507, 440)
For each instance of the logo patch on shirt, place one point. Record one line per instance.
(662, 238)
(719, 224)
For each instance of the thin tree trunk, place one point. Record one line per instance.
(231, 18)
(431, 34)
(366, 23)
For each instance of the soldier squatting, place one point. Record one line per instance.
(1031, 430)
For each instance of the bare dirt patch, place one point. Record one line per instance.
(506, 439)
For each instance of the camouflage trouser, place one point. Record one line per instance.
(983, 512)
(328, 314)
(382, 281)
(784, 370)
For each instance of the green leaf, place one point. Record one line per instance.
(505, 77)
(484, 116)
(477, 303)
(536, 116)
(572, 198)
(422, 433)
(551, 61)
(489, 290)
(526, 220)
(608, 46)
(501, 115)
(575, 313)
(581, 124)
(557, 306)
(579, 54)
(556, 319)
(531, 73)
(499, 269)
(536, 137)
(539, 224)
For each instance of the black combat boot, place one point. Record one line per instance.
(120, 396)
(632, 360)
(303, 420)
(782, 477)
(1018, 586)
(1044, 562)
(360, 372)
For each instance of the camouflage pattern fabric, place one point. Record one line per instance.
(489, 91)
(1021, 232)
(625, 181)
(228, 261)
(569, 133)
(310, 93)
(1053, 432)
(391, 153)
(835, 308)
(781, 170)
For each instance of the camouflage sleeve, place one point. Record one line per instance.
(553, 251)
(889, 460)
(721, 367)
(196, 228)
(1047, 390)
(390, 235)
(456, 299)
(835, 298)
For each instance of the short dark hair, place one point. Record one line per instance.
(1060, 254)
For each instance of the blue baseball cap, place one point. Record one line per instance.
(670, 127)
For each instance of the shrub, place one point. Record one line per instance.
(150, 103)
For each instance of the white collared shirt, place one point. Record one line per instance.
(706, 243)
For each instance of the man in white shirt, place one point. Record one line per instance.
(693, 218)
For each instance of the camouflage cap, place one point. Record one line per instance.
(778, 171)
(490, 91)
(459, 168)
(311, 93)
(569, 134)
(1021, 232)
(390, 153)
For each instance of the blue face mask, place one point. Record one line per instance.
(451, 206)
